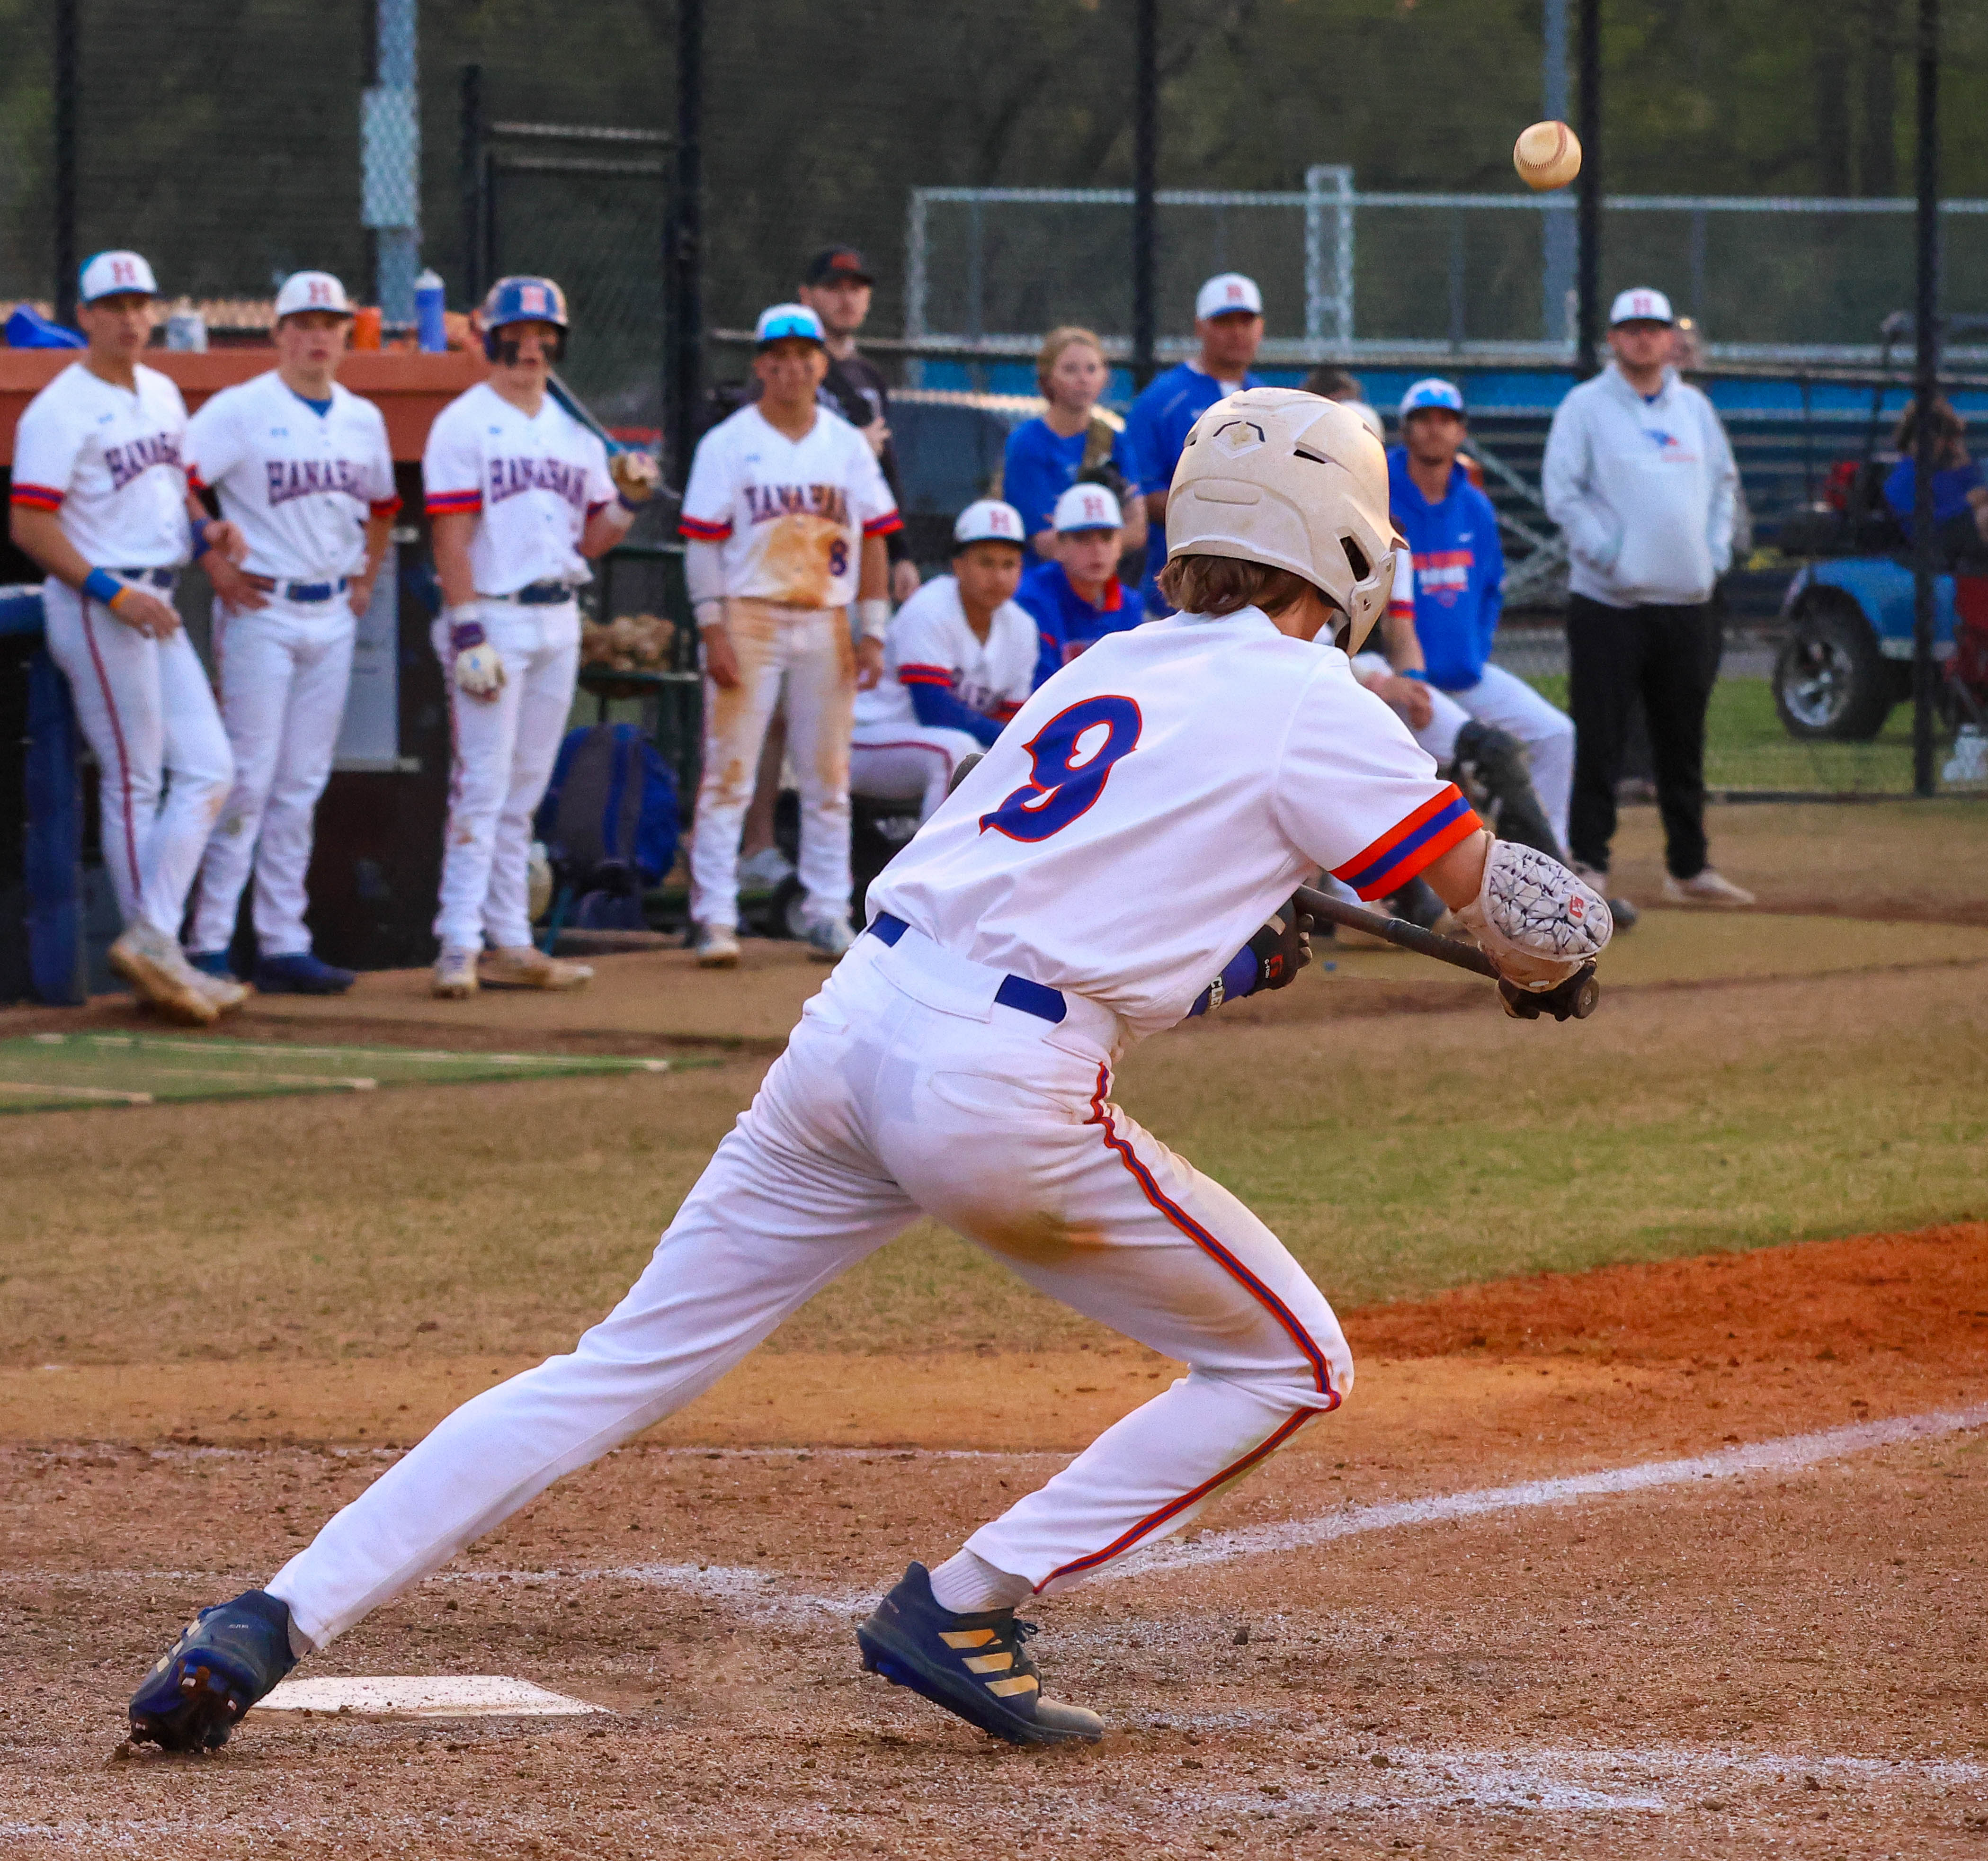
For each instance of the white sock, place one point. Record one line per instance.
(966, 1585)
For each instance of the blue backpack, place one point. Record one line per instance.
(609, 824)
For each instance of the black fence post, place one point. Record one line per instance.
(473, 282)
(683, 367)
(1925, 387)
(66, 86)
(1145, 167)
(1587, 359)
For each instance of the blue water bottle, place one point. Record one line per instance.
(429, 296)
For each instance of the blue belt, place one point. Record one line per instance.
(298, 590)
(149, 578)
(539, 594)
(1045, 1003)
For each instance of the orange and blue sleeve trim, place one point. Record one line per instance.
(926, 674)
(698, 530)
(384, 507)
(1385, 866)
(885, 525)
(35, 497)
(1002, 712)
(454, 504)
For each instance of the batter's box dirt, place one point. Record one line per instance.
(48, 1072)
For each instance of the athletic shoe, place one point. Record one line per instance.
(212, 962)
(155, 965)
(1624, 914)
(1706, 888)
(975, 1665)
(225, 1659)
(523, 966)
(829, 939)
(223, 991)
(301, 973)
(768, 870)
(717, 946)
(454, 975)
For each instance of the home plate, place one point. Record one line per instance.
(425, 1696)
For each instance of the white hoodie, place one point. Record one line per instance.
(1643, 491)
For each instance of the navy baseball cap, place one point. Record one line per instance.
(838, 261)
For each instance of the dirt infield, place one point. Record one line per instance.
(1749, 1654)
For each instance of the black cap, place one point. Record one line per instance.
(838, 261)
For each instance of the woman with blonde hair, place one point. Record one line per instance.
(1070, 442)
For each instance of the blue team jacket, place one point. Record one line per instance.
(1459, 572)
(1065, 621)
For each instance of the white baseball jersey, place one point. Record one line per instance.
(535, 482)
(929, 643)
(108, 460)
(1158, 800)
(791, 514)
(299, 484)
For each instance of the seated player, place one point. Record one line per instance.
(959, 660)
(1077, 599)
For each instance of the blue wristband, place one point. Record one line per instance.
(100, 584)
(1419, 676)
(200, 545)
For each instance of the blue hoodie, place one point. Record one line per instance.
(1459, 586)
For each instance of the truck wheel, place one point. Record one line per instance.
(1830, 679)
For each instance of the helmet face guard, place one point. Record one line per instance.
(1286, 479)
(522, 300)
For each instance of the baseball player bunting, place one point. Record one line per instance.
(304, 470)
(1137, 820)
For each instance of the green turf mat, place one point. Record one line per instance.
(46, 1072)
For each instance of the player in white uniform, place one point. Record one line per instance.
(303, 469)
(1145, 811)
(101, 501)
(959, 660)
(519, 495)
(785, 517)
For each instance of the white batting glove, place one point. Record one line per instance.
(479, 673)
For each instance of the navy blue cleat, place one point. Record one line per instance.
(212, 962)
(225, 1660)
(301, 972)
(975, 1665)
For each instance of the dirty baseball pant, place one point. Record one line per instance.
(901, 762)
(504, 752)
(802, 661)
(284, 669)
(906, 1089)
(163, 766)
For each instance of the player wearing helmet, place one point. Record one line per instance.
(1140, 818)
(519, 498)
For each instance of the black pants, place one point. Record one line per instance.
(1669, 657)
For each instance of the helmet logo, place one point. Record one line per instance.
(1237, 437)
(533, 297)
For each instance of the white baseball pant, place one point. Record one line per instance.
(147, 713)
(906, 1088)
(284, 671)
(1506, 703)
(907, 762)
(505, 748)
(803, 660)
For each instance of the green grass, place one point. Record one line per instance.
(1747, 746)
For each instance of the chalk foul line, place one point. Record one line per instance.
(1781, 1455)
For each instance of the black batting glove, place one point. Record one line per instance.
(1281, 950)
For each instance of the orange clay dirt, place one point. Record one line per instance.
(1783, 1660)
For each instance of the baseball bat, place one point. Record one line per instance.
(573, 405)
(1578, 996)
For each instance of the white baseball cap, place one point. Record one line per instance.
(988, 521)
(1641, 305)
(311, 291)
(112, 274)
(1431, 391)
(1227, 292)
(785, 319)
(1086, 507)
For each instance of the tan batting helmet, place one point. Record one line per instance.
(1277, 475)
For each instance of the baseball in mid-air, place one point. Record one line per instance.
(1548, 155)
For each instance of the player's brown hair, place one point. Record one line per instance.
(1226, 584)
(1064, 336)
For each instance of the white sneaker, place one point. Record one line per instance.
(768, 870)
(455, 974)
(717, 946)
(525, 966)
(1706, 888)
(155, 965)
(223, 991)
(829, 939)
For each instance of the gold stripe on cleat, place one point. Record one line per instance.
(990, 1663)
(967, 1638)
(1022, 1682)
